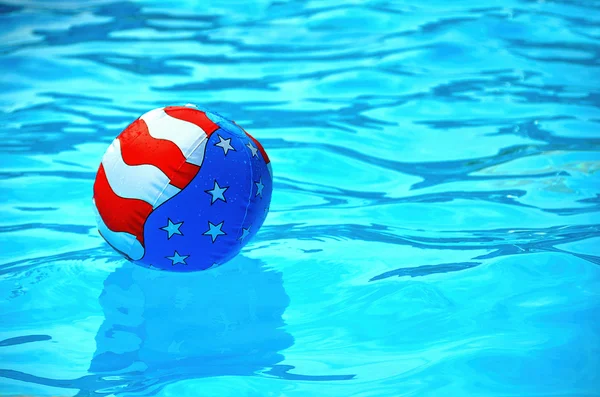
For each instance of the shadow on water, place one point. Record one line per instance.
(162, 327)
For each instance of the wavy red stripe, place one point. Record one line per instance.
(138, 147)
(120, 214)
(193, 116)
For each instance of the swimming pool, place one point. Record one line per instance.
(434, 228)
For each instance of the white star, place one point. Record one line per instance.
(260, 187)
(252, 148)
(176, 258)
(245, 233)
(172, 228)
(225, 144)
(217, 193)
(214, 231)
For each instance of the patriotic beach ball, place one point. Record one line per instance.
(182, 189)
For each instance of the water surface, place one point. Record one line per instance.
(435, 220)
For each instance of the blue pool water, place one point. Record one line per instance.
(435, 222)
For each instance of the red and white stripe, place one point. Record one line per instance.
(148, 163)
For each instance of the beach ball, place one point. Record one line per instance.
(182, 189)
